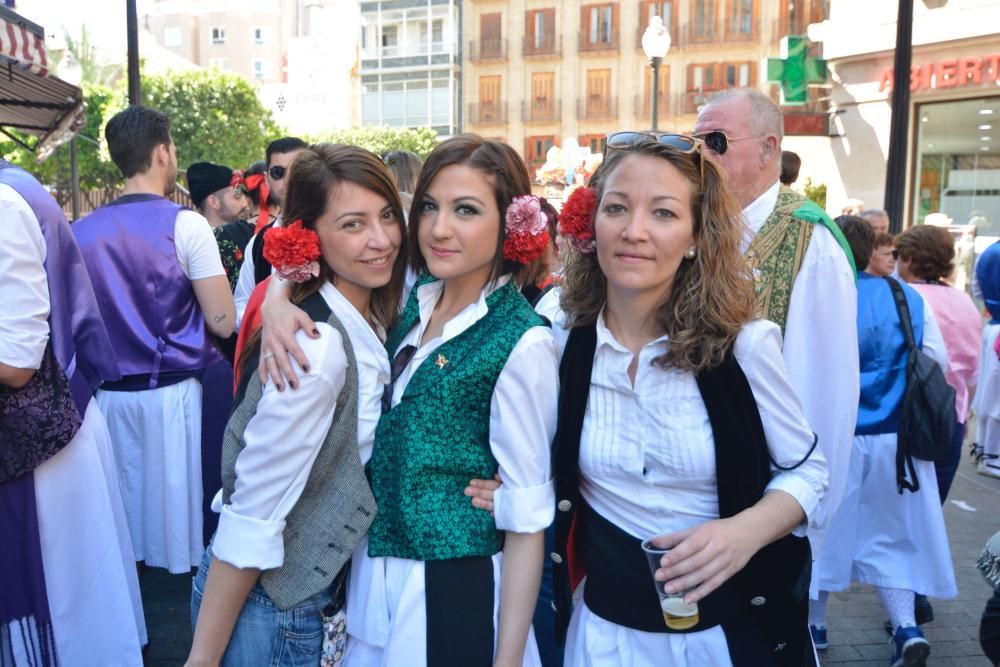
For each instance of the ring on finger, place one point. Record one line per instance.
(268, 355)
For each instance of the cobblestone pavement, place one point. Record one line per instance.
(854, 617)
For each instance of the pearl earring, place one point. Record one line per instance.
(690, 254)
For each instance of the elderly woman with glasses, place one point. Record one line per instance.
(677, 426)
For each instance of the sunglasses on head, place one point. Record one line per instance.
(682, 143)
(277, 172)
(718, 141)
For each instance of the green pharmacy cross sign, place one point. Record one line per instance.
(795, 71)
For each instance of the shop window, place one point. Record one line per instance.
(957, 174)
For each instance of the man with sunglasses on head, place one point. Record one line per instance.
(805, 277)
(280, 155)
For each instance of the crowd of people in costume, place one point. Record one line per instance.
(403, 412)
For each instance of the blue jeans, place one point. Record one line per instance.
(544, 621)
(265, 634)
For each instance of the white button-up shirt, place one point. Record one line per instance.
(647, 451)
(285, 435)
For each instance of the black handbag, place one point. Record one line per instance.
(927, 413)
(37, 420)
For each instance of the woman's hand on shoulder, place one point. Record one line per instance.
(280, 320)
(481, 491)
(703, 557)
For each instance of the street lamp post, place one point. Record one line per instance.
(655, 44)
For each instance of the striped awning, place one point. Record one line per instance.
(32, 101)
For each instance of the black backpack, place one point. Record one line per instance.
(927, 414)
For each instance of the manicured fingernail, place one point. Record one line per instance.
(306, 368)
(315, 332)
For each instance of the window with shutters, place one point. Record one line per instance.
(701, 21)
(540, 31)
(542, 104)
(489, 35)
(599, 27)
(662, 8)
(535, 148)
(644, 106)
(489, 99)
(705, 78)
(741, 24)
(592, 142)
(794, 16)
(598, 103)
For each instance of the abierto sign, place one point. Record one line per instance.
(952, 73)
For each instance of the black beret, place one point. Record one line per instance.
(204, 178)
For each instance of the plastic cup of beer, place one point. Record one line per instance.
(677, 614)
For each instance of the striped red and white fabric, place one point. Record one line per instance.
(24, 47)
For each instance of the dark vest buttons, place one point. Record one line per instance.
(565, 505)
(556, 558)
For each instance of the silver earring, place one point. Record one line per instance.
(690, 254)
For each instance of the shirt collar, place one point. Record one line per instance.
(756, 213)
(427, 298)
(605, 337)
(361, 332)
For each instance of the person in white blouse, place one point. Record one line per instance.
(345, 196)
(668, 303)
(440, 581)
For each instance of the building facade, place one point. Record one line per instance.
(540, 73)
(303, 55)
(411, 64)
(953, 137)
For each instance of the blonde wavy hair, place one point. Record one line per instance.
(711, 297)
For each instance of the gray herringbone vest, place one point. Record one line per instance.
(336, 506)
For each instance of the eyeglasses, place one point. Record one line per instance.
(401, 361)
(682, 143)
(277, 172)
(718, 141)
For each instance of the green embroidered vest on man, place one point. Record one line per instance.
(437, 438)
(777, 251)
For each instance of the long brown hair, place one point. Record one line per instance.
(711, 296)
(313, 174)
(508, 176)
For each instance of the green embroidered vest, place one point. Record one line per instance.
(776, 251)
(436, 438)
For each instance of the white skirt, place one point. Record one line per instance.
(595, 642)
(987, 401)
(90, 575)
(157, 442)
(882, 538)
(387, 614)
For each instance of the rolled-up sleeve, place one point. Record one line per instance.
(789, 437)
(281, 441)
(522, 426)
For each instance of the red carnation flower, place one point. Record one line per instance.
(293, 251)
(576, 220)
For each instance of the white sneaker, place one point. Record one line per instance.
(988, 469)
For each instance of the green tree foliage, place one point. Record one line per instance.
(213, 116)
(380, 140)
(815, 192)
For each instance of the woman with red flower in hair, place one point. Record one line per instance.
(439, 580)
(295, 501)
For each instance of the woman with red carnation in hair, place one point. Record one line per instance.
(295, 501)
(473, 394)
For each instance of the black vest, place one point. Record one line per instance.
(764, 607)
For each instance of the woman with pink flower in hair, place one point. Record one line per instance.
(473, 394)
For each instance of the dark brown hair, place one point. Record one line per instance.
(711, 296)
(132, 135)
(507, 174)
(404, 167)
(883, 239)
(860, 236)
(315, 172)
(930, 251)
